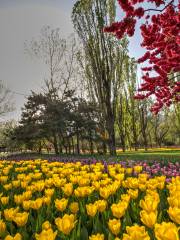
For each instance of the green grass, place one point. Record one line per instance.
(151, 155)
(173, 155)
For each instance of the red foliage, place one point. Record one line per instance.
(161, 39)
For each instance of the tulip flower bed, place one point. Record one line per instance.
(96, 201)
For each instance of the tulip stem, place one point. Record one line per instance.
(11, 228)
(151, 233)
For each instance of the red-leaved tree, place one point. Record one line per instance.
(161, 39)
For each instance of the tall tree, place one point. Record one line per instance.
(59, 56)
(130, 84)
(104, 57)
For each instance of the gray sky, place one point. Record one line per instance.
(22, 20)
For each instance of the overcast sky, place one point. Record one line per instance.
(22, 20)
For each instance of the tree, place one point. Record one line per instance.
(59, 55)
(160, 34)
(6, 129)
(61, 122)
(132, 106)
(143, 113)
(104, 57)
(29, 131)
(174, 117)
(5, 99)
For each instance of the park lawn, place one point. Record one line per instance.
(150, 155)
(173, 155)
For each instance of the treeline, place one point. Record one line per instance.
(87, 102)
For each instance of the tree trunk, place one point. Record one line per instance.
(60, 149)
(145, 142)
(69, 147)
(83, 147)
(104, 148)
(66, 149)
(143, 114)
(123, 145)
(91, 146)
(77, 145)
(112, 141)
(135, 137)
(55, 145)
(73, 145)
(40, 148)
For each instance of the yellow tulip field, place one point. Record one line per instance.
(53, 200)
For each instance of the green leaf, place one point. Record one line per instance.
(84, 233)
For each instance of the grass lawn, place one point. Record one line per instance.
(152, 154)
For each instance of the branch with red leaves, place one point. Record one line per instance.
(159, 10)
(161, 39)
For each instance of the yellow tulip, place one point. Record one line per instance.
(18, 199)
(46, 225)
(119, 209)
(152, 184)
(130, 182)
(49, 192)
(142, 177)
(27, 195)
(114, 225)
(149, 204)
(68, 189)
(148, 218)
(136, 233)
(96, 185)
(10, 213)
(21, 219)
(152, 194)
(66, 223)
(161, 181)
(119, 177)
(46, 234)
(129, 170)
(16, 237)
(125, 198)
(101, 205)
(142, 186)
(4, 200)
(16, 183)
(91, 209)
(3, 179)
(61, 204)
(47, 200)
(74, 207)
(83, 191)
(84, 181)
(166, 231)
(174, 201)
(104, 192)
(97, 237)
(133, 193)
(138, 169)
(26, 205)
(2, 226)
(36, 204)
(39, 186)
(8, 186)
(24, 184)
(174, 214)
